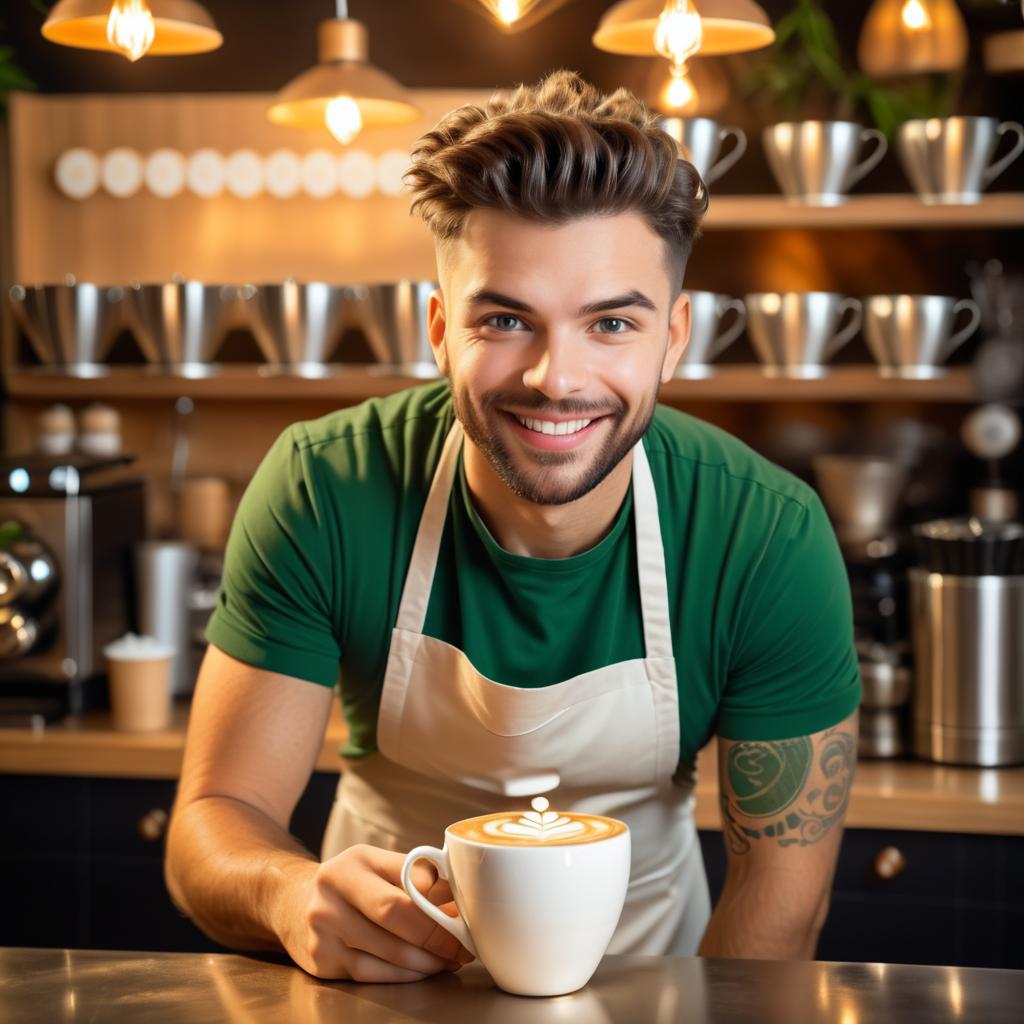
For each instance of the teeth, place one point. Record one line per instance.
(547, 427)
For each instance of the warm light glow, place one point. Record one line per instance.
(343, 119)
(130, 28)
(680, 94)
(956, 993)
(679, 31)
(509, 11)
(915, 16)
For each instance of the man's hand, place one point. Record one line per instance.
(349, 917)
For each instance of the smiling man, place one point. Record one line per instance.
(527, 578)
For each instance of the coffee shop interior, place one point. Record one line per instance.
(191, 261)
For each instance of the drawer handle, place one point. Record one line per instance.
(153, 825)
(889, 862)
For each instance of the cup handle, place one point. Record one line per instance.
(439, 858)
(724, 163)
(965, 332)
(995, 169)
(858, 172)
(732, 332)
(844, 334)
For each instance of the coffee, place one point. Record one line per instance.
(539, 827)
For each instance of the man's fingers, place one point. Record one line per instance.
(364, 935)
(369, 968)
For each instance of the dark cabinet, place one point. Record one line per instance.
(918, 898)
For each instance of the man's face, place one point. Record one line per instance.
(555, 340)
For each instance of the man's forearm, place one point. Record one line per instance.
(227, 866)
(757, 919)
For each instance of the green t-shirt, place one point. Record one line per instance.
(758, 594)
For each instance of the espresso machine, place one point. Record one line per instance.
(862, 494)
(68, 525)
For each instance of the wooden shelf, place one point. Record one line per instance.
(902, 210)
(731, 383)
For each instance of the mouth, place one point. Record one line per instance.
(553, 435)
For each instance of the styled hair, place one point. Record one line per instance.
(554, 152)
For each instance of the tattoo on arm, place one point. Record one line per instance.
(768, 781)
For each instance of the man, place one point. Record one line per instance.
(532, 578)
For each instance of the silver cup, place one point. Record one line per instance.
(910, 336)
(861, 492)
(297, 326)
(180, 325)
(947, 158)
(796, 333)
(706, 343)
(700, 140)
(814, 162)
(394, 319)
(70, 326)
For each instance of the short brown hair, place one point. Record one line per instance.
(553, 152)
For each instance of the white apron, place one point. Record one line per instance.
(454, 744)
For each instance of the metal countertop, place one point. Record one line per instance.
(55, 985)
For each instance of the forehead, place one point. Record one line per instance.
(583, 259)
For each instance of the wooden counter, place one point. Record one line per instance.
(886, 794)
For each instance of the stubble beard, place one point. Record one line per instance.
(543, 485)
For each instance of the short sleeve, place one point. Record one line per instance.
(793, 669)
(274, 608)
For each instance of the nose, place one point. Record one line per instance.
(559, 368)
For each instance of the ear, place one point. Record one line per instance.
(435, 330)
(678, 335)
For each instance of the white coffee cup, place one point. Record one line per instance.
(539, 916)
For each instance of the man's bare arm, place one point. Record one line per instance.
(783, 803)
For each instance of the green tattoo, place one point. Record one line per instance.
(768, 781)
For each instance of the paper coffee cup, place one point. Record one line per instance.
(139, 669)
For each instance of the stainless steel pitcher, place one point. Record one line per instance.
(947, 158)
(700, 141)
(706, 343)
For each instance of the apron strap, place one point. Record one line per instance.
(412, 611)
(650, 559)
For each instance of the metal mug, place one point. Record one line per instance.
(796, 333)
(910, 336)
(814, 162)
(706, 343)
(700, 140)
(947, 158)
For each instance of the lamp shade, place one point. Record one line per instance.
(901, 38)
(729, 26)
(181, 26)
(343, 71)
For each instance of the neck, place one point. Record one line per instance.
(525, 528)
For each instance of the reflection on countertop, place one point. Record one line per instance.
(886, 794)
(77, 985)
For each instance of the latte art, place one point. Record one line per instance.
(538, 827)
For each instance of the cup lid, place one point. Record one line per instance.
(138, 648)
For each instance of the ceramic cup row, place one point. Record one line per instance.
(123, 172)
(948, 160)
(795, 334)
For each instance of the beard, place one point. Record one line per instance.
(548, 480)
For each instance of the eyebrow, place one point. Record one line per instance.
(630, 298)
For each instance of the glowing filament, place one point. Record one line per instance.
(130, 28)
(915, 17)
(679, 31)
(680, 93)
(343, 119)
(509, 11)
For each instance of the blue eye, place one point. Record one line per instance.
(613, 325)
(504, 322)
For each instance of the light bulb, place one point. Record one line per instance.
(915, 17)
(680, 94)
(130, 27)
(679, 31)
(343, 119)
(509, 11)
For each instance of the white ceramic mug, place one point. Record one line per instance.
(539, 917)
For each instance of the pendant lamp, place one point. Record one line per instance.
(726, 26)
(133, 27)
(903, 37)
(344, 91)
